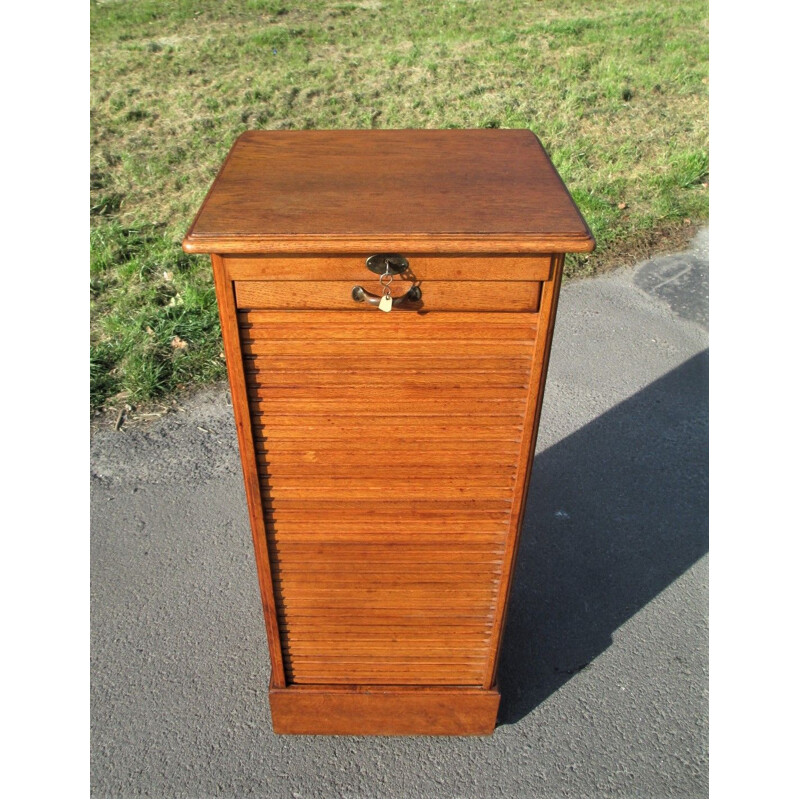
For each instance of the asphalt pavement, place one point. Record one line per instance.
(604, 669)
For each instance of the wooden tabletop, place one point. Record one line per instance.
(407, 190)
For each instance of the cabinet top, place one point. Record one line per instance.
(409, 190)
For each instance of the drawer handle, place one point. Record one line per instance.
(361, 295)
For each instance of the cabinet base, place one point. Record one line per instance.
(384, 710)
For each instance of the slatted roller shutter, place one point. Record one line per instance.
(388, 449)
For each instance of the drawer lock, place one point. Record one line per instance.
(391, 263)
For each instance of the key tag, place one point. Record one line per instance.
(386, 301)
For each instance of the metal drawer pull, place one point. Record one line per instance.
(361, 295)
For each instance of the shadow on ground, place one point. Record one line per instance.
(617, 511)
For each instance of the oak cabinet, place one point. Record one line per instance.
(387, 301)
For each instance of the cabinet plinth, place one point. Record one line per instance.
(386, 453)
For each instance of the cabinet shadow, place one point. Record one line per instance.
(616, 512)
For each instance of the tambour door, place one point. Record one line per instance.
(390, 451)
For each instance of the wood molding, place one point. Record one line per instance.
(384, 711)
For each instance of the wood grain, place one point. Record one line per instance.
(233, 358)
(298, 405)
(436, 295)
(456, 191)
(366, 351)
(532, 416)
(479, 325)
(424, 266)
(423, 531)
(383, 711)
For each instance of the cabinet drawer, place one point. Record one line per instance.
(422, 267)
(436, 295)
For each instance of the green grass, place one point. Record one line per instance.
(617, 92)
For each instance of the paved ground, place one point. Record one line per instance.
(604, 672)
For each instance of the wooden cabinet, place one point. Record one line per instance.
(386, 454)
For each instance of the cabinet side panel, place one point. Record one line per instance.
(241, 411)
(547, 316)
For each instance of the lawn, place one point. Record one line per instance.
(616, 91)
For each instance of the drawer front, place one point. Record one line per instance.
(421, 267)
(387, 450)
(461, 295)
